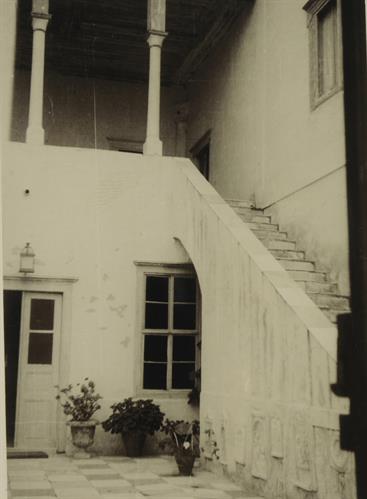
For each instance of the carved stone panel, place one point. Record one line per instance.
(303, 451)
(276, 436)
(240, 446)
(259, 458)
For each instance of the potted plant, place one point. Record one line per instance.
(81, 406)
(134, 420)
(183, 436)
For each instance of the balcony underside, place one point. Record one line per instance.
(107, 39)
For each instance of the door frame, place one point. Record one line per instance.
(195, 150)
(61, 286)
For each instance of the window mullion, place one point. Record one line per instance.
(169, 361)
(170, 303)
(170, 329)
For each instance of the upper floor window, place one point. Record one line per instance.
(170, 330)
(325, 49)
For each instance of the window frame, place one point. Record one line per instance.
(171, 271)
(314, 8)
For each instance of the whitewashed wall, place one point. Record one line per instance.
(268, 359)
(83, 112)
(268, 353)
(90, 215)
(267, 146)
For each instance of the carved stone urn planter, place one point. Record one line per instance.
(82, 434)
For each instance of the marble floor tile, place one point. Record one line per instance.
(77, 493)
(67, 477)
(115, 477)
(159, 489)
(226, 486)
(26, 475)
(145, 481)
(119, 483)
(30, 485)
(122, 495)
(204, 493)
(111, 491)
(103, 476)
(93, 466)
(34, 493)
(104, 471)
(144, 475)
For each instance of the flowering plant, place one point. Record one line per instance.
(80, 406)
(183, 435)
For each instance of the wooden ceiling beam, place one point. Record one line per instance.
(227, 13)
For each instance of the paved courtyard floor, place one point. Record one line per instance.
(114, 478)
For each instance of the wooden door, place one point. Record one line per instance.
(35, 427)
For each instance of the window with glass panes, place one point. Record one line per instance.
(170, 332)
(325, 49)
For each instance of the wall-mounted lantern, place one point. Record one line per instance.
(27, 258)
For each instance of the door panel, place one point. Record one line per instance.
(38, 371)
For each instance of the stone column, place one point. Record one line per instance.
(181, 116)
(40, 17)
(8, 23)
(157, 34)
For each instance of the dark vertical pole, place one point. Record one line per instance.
(355, 100)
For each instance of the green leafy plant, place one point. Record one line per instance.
(80, 406)
(134, 415)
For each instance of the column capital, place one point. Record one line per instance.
(156, 38)
(40, 21)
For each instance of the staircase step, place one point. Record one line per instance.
(250, 216)
(270, 234)
(301, 275)
(315, 283)
(238, 203)
(296, 264)
(288, 254)
(319, 287)
(335, 302)
(332, 314)
(273, 244)
(257, 226)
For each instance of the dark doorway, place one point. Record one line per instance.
(12, 314)
(200, 154)
(203, 158)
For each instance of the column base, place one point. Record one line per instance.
(35, 136)
(153, 146)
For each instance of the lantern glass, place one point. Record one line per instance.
(27, 258)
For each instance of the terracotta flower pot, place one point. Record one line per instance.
(185, 461)
(82, 434)
(134, 443)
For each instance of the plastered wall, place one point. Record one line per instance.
(268, 360)
(268, 352)
(83, 112)
(267, 145)
(90, 215)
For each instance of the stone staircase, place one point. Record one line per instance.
(315, 283)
